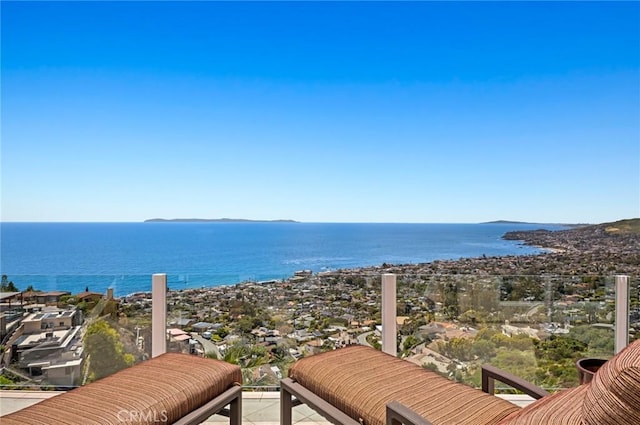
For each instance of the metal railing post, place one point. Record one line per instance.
(389, 344)
(158, 314)
(622, 313)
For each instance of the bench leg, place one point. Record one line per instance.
(235, 411)
(286, 406)
(231, 397)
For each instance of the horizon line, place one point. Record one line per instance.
(291, 221)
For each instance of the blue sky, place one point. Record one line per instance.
(321, 112)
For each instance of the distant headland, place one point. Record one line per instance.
(213, 220)
(507, 222)
(528, 222)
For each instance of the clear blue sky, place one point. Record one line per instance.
(321, 112)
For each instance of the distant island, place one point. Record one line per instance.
(213, 220)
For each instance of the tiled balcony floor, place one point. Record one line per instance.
(258, 408)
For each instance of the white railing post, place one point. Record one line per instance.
(158, 314)
(622, 313)
(389, 344)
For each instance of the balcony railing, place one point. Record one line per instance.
(534, 326)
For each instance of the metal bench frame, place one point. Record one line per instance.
(293, 394)
(232, 397)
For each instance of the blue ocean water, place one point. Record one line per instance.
(72, 256)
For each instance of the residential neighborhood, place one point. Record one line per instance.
(451, 316)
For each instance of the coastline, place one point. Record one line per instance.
(580, 251)
(447, 299)
(585, 250)
(193, 255)
(550, 249)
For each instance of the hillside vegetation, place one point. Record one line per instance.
(631, 225)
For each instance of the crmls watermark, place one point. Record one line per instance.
(136, 416)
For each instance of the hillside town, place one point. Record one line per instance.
(451, 316)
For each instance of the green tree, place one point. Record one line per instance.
(5, 382)
(487, 333)
(7, 286)
(558, 348)
(222, 332)
(460, 348)
(483, 349)
(410, 342)
(66, 299)
(106, 352)
(246, 324)
(600, 342)
(556, 360)
(246, 356)
(520, 363)
(451, 305)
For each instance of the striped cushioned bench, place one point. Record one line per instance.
(359, 385)
(171, 388)
(359, 382)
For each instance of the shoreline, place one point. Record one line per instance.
(582, 251)
(587, 250)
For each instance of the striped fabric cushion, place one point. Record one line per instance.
(613, 398)
(160, 390)
(561, 408)
(360, 381)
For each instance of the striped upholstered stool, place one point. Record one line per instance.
(362, 386)
(169, 389)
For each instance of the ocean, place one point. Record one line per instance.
(123, 256)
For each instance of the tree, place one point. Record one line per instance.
(483, 349)
(246, 356)
(451, 306)
(460, 348)
(600, 342)
(5, 382)
(410, 342)
(102, 343)
(246, 324)
(558, 348)
(520, 363)
(7, 286)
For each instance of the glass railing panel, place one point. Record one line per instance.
(533, 326)
(634, 307)
(60, 332)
